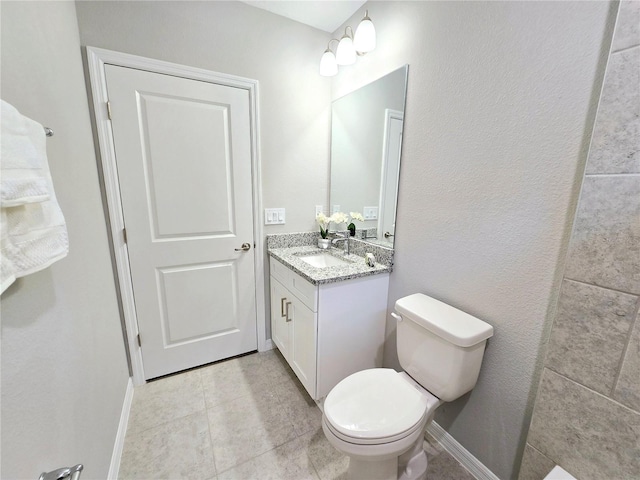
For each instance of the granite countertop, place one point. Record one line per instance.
(290, 257)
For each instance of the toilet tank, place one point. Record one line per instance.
(440, 346)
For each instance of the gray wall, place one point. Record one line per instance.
(587, 412)
(501, 103)
(64, 370)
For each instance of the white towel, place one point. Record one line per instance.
(24, 159)
(33, 233)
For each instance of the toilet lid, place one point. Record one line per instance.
(374, 403)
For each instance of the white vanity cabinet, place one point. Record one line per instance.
(293, 330)
(329, 331)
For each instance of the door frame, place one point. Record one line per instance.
(389, 114)
(97, 58)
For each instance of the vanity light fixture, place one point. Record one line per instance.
(328, 63)
(349, 46)
(346, 53)
(365, 38)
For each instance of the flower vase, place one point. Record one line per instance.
(324, 243)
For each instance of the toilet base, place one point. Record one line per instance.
(411, 465)
(373, 470)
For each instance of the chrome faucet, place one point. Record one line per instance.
(67, 473)
(342, 237)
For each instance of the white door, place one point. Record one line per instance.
(392, 147)
(183, 156)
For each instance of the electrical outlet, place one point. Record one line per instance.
(336, 209)
(319, 209)
(274, 216)
(370, 213)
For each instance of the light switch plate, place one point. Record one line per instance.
(335, 209)
(319, 209)
(370, 213)
(274, 216)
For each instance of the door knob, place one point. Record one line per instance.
(243, 248)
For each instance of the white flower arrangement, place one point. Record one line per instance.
(338, 218)
(356, 216)
(323, 222)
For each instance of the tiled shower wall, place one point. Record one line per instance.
(587, 412)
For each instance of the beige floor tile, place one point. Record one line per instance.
(444, 467)
(166, 399)
(178, 449)
(239, 377)
(256, 408)
(441, 465)
(330, 464)
(245, 418)
(302, 411)
(277, 367)
(247, 427)
(288, 462)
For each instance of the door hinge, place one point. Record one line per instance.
(124, 235)
(139, 341)
(109, 109)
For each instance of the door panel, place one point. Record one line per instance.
(197, 131)
(185, 295)
(184, 167)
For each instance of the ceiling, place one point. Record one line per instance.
(325, 15)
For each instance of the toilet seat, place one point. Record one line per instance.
(377, 440)
(377, 406)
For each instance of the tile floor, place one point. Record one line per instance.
(244, 418)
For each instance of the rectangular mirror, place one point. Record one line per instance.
(366, 142)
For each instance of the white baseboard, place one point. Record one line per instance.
(461, 454)
(116, 456)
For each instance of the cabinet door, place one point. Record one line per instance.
(303, 344)
(279, 324)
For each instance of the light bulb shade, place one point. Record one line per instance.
(328, 65)
(346, 54)
(365, 38)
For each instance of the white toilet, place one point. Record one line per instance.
(378, 417)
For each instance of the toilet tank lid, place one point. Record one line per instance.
(447, 322)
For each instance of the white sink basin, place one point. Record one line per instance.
(324, 260)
